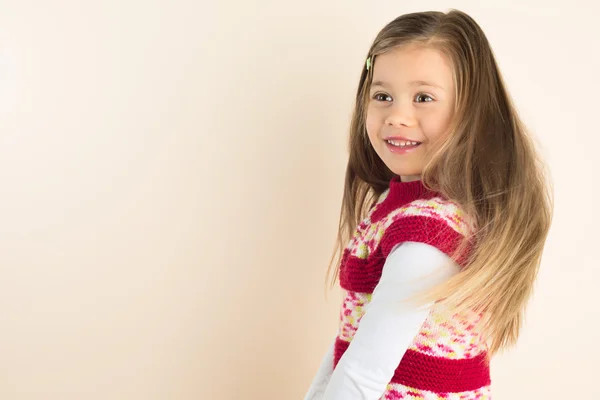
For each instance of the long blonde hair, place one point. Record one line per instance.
(487, 164)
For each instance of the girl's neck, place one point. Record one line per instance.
(410, 178)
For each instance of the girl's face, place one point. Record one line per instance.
(410, 107)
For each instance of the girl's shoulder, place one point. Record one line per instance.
(424, 211)
(434, 220)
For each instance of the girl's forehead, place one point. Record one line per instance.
(413, 63)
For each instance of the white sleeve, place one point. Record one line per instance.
(390, 323)
(321, 379)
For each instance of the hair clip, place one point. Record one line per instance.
(368, 63)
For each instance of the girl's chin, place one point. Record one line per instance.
(409, 174)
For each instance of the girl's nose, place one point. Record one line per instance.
(401, 114)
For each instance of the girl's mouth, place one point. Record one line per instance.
(403, 143)
(401, 146)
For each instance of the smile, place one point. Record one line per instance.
(401, 146)
(403, 143)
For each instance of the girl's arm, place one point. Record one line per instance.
(321, 379)
(390, 323)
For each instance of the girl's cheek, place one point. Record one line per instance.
(372, 125)
(434, 129)
(374, 118)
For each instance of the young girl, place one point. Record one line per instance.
(444, 218)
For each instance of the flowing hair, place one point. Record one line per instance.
(487, 164)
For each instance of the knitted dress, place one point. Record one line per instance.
(447, 358)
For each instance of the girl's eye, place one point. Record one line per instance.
(423, 98)
(382, 97)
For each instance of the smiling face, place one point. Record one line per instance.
(411, 103)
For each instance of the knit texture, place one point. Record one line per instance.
(447, 358)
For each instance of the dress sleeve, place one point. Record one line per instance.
(390, 323)
(321, 379)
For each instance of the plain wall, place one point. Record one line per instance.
(170, 181)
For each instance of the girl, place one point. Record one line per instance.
(447, 204)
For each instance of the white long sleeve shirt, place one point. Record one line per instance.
(387, 328)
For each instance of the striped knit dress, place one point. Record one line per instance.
(447, 358)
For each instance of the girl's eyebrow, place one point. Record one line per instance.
(378, 83)
(413, 83)
(425, 83)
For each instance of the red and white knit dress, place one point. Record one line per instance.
(447, 358)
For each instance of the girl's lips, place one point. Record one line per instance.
(401, 138)
(401, 149)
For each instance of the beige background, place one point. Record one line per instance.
(170, 181)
